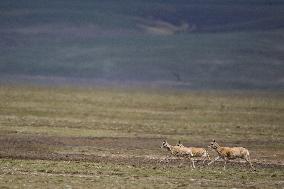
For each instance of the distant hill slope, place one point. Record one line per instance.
(196, 44)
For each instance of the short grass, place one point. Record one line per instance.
(251, 119)
(108, 112)
(54, 174)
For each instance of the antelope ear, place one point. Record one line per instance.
(179, 142)
(213, 140)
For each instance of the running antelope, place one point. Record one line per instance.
(197, 152)
(227, 153)
(179, 151)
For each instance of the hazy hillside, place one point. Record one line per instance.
(186, 43)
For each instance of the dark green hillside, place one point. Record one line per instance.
(187, 43)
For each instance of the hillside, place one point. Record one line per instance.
(191, 44)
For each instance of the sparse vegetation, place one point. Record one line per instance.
(61, 137)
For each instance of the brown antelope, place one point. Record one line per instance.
(227, 153)
(179, 151)
(197, 152)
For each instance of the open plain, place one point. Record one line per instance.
(111, 138)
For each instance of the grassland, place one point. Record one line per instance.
(101, 137)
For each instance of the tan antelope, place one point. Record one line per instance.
(179, 151)
(227, 153)
(197, 152)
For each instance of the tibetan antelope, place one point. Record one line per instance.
(227, 153)
(197, 152)
(179, 151)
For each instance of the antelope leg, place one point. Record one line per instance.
(214, 160)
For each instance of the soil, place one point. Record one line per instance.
(25, 146)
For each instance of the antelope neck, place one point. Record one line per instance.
(218, 149)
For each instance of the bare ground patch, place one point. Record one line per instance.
(38, 147)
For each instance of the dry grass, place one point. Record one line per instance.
(100, 130)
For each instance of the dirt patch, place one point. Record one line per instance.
(104, 142)
(19, 146)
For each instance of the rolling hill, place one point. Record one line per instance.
(191, 44)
